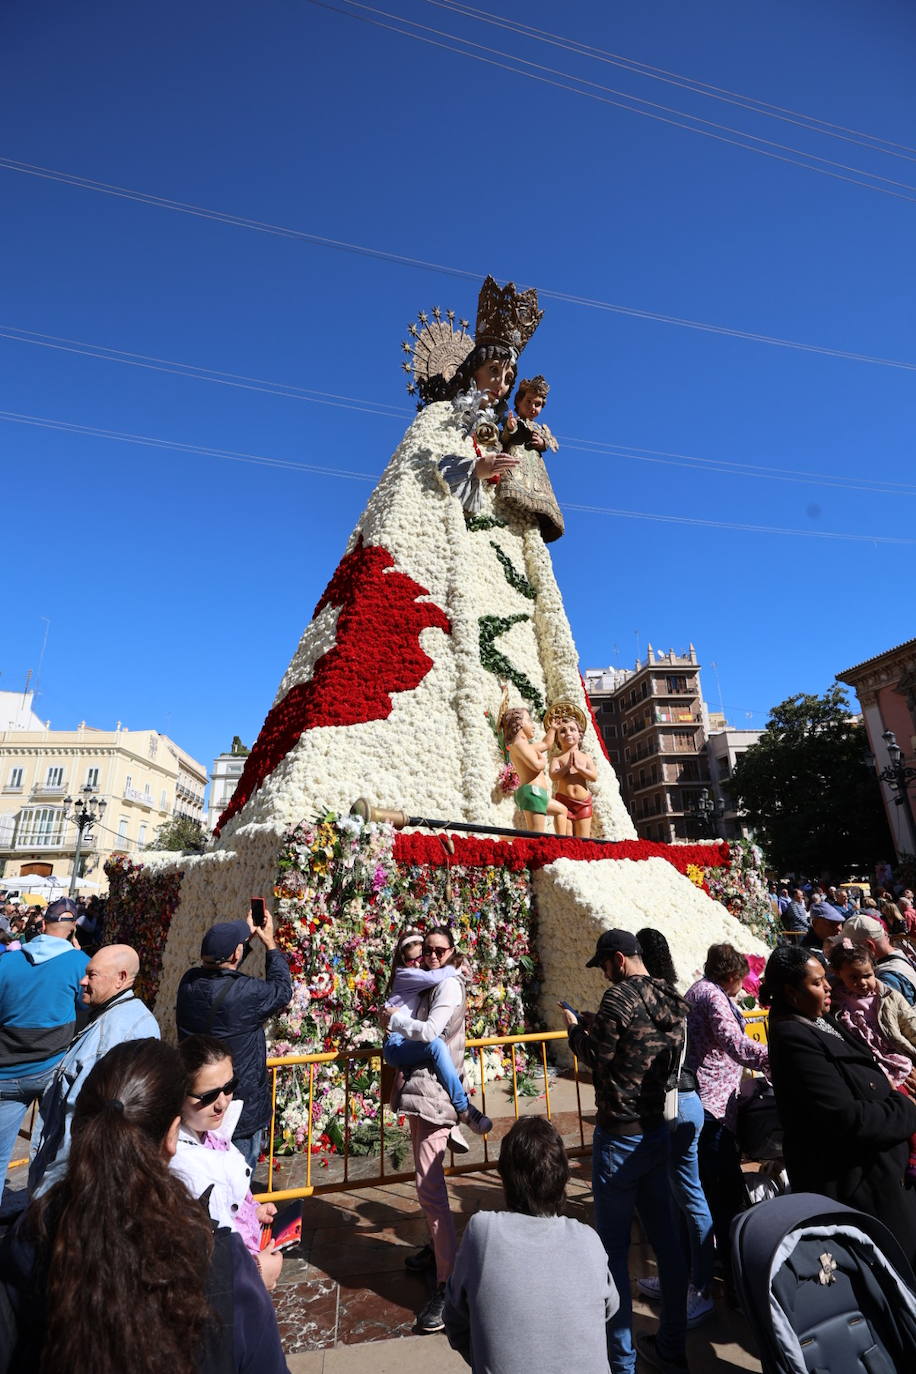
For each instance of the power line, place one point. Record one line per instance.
(230, 455)
(196, 372)
(517, 65)
(753, 104)
(548, 293)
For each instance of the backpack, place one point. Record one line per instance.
(826, 1289)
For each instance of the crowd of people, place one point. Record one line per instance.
(136, 1242)
(139, 1209)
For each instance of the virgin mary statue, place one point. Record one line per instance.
(446, 592)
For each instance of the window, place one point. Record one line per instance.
(40, 827)
(122, 828)
(128, 783)
(676, 684)
(15, 777)
(55, 777)
(163, 801)
(141, 836)
(92, 777)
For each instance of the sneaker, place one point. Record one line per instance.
(699, 1306)
(650, 1288)
(432, 1318)
(647, 1346)
(475, 1120)
(421, 1260)
(457, 1142)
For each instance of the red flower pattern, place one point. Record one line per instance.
(377, 652)
(526, 852)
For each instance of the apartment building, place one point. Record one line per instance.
(144, 778)
(227, 769)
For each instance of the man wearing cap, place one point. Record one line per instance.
(40, 1001)
(892, 967)
(825, 923)
(115, 1015)
(633, 1046)
(217, 999)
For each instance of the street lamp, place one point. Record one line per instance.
(898, 776)
(87, 809)
(708, 813)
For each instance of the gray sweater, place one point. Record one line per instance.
(530, 1294)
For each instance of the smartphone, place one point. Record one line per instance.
(567, 1007)
(258, 914)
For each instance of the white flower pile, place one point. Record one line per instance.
(576, 901)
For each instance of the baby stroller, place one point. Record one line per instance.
(826, 1289)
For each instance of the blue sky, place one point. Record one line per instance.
(177, 584)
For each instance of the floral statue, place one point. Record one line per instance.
(526, 487)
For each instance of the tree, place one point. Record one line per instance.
(813, 803)
(183, 833)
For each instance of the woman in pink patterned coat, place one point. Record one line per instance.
(718, 1052)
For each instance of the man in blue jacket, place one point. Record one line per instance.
(40, 997)
(115, 1015)
(218, 999)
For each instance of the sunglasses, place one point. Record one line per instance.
(437, 951)
(207, 1099)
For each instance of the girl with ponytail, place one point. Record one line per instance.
(117, 1267)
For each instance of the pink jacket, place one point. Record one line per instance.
(718, 1049)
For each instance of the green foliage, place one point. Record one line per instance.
(814, 805)
(182, 833)
(491, 627)
(515, 579)
(484, 522)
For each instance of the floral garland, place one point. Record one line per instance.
(491, 627)
(516, 580)
(376, 653)
(529, 853)
(141, 904)
(483, 522)
(343, 895)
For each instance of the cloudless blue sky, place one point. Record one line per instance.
(177, 585)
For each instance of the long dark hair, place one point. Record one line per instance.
(656, 955)
(125, 1249)
(480, 354)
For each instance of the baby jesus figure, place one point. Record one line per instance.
(526, 489)
(571, 770)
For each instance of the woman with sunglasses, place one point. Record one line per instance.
(206, 1158)
(426, 1104)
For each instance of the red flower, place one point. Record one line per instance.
(376, 652)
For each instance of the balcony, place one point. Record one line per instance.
(133, 794)
(43, 790)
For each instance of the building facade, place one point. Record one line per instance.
(227, 769)
(143, 777)
(886, 688)
(654, 724)
(667, 748)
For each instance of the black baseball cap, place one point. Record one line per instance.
(614, 942)
(221, 940)
(64, 909)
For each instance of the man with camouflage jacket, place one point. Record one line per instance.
(633, 1046)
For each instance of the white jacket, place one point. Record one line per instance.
(224, 1171)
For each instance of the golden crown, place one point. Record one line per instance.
(539, 385)
(506, 316)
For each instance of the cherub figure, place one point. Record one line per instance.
(570, 769)
(529, 758)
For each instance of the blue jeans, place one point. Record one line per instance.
(16, 1096)
(684, 1173)
(408, 1054)
(250, 1147)
(630, 1173)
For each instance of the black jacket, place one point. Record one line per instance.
(236, 1013)
(846, 1129)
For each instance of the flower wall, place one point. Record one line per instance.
(741, 888)
(141, 904)
(344, 891)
